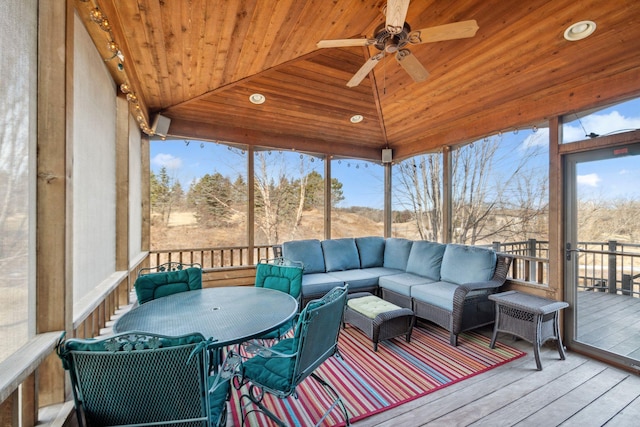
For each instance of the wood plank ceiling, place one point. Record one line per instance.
(197, 62)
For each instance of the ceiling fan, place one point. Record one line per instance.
(393, 37)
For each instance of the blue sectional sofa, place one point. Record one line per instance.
(447, 284)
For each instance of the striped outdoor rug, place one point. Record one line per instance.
(370, 382)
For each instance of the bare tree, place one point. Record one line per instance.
(489, 200)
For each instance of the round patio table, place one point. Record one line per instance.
(229, 315)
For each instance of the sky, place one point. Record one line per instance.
(362, 181)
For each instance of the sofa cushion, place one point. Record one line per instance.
(318, 284)
(357, 279)
(371, 251)
(439, 294)
(425, 259)
(381, 271)
(340, 254)
(467, 264)
(402, 283)
(309, 252)
(396, 253)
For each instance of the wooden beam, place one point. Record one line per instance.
(191, 130)
(54, 301)
(122, 184)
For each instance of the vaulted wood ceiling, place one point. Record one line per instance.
(197, 62)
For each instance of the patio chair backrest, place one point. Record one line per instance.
(284, 277)
(317, 332)
(140, 378)
(167, 279)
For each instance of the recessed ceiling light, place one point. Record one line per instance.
(579, 30)
(257, 98)
(356, 118)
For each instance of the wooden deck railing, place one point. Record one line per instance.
(216, 257)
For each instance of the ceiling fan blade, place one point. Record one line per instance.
(456, 30)
(345, 43)
(364, 70)
(411, 65)
(396, 12)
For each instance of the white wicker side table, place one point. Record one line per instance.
(529, 317)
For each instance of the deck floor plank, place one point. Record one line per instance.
(607, 406)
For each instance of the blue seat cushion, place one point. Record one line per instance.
(357, 279)
(340, 254)
(371, 251)
(467, 264)
(439, 294)
(319, 283)
(381, 271)
(309, 252)
(402, 283)
(425, 259)
(396, 253)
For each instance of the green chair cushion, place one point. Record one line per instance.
(281, 278)
(371, 306)
(156, 285)
(217, 399)
(273, 372)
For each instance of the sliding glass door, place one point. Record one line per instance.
(602, 253)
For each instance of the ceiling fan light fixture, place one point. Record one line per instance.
(579, 30)
(356, 118)
(257, 98)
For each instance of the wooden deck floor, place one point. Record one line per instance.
(575, 392)
(578, 391)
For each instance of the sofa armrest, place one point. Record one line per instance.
(503, 263)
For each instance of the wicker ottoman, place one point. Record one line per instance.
(378, 319)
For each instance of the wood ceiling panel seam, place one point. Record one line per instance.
(272, 36)
(502, 93)
(130, 72)
(583, 94)
(159, 67)
(224, 88)
(296, 90)
(274, 139)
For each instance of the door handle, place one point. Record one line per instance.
(568, 251)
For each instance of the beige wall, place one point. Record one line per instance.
(94, 165)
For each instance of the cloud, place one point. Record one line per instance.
(536, 139)
(167, 160)
(601, 124)
(592, 179)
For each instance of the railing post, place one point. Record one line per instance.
(532, 245)
(626, 284)
(496, 246)
(612, 275)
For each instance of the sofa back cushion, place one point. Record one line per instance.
(467, 264)
(371, 251)
(425, 259)
(396, 253)
(309, 252)
(340, 254)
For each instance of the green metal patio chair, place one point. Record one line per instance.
(167, 279)
(281, 368)
(136, 378)
(281, 275)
